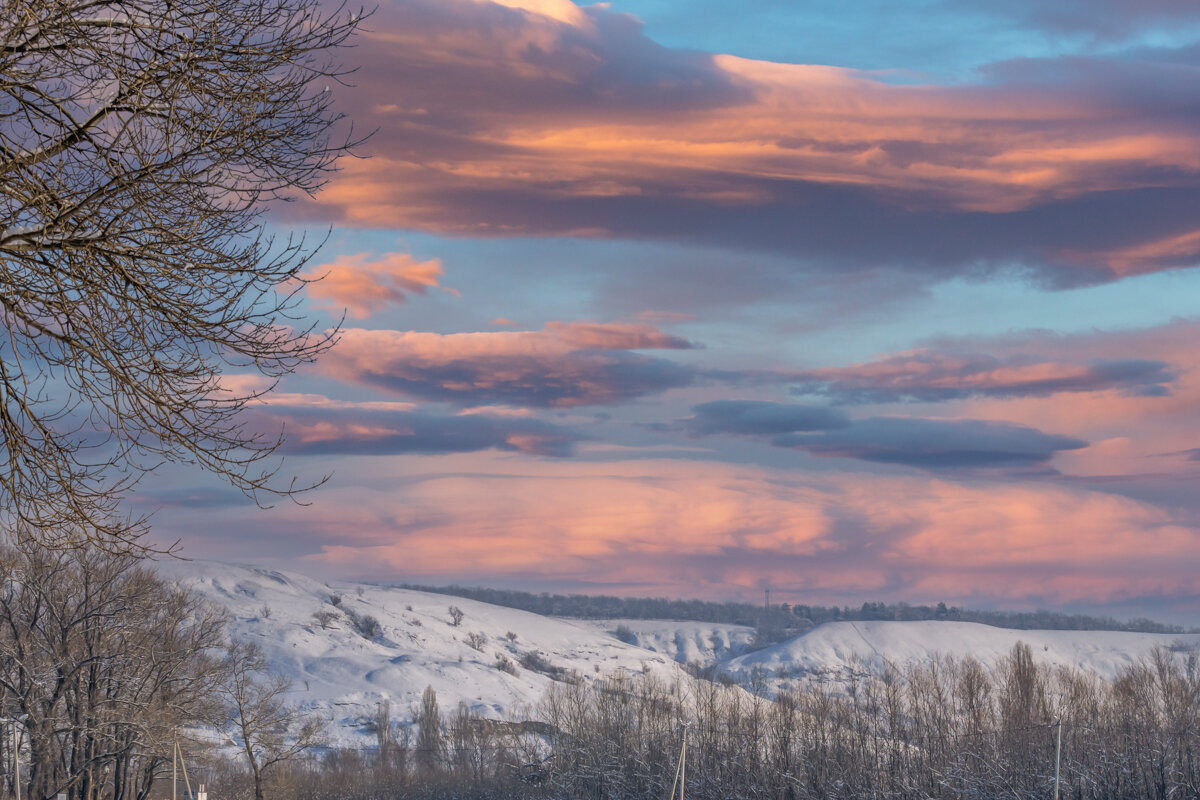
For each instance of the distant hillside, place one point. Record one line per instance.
(349, 647)
(582, 606)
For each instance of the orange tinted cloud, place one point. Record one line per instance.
(551, 119)
(363, 284)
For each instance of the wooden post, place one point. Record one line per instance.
(683, 764)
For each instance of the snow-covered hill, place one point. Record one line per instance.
(829, 651)
(338, 671)
(308, 630)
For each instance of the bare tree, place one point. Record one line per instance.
(429, 731)
(103, 661)
(324, 618)
(270, 730)
(140, 141)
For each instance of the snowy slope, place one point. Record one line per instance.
(704, 643)
(830, 650)
(343, 675)
(338, 672)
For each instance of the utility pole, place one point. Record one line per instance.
(1057, 755)
(681, 767)
(683, 764)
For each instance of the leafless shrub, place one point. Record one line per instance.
(324, 618)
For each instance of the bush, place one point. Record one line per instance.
(536, 662)
(367, 626)
(505, 664)
(625, 634)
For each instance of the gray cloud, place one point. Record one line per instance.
(561, 366)
(934, 443)
(761, 418)
(317, 430)
(936, 376)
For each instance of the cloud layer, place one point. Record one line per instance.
(935, 443)
(704, 529)
(933, 376)
(561, 366)
(318, 426)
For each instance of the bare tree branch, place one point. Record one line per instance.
(140, 142)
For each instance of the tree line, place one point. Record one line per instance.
(942, 729)
(783, 617)
(104, 667)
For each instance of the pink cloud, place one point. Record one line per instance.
(364, 284)
(684, 528)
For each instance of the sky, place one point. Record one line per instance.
(893, 300)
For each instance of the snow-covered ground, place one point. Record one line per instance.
(339, 672)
